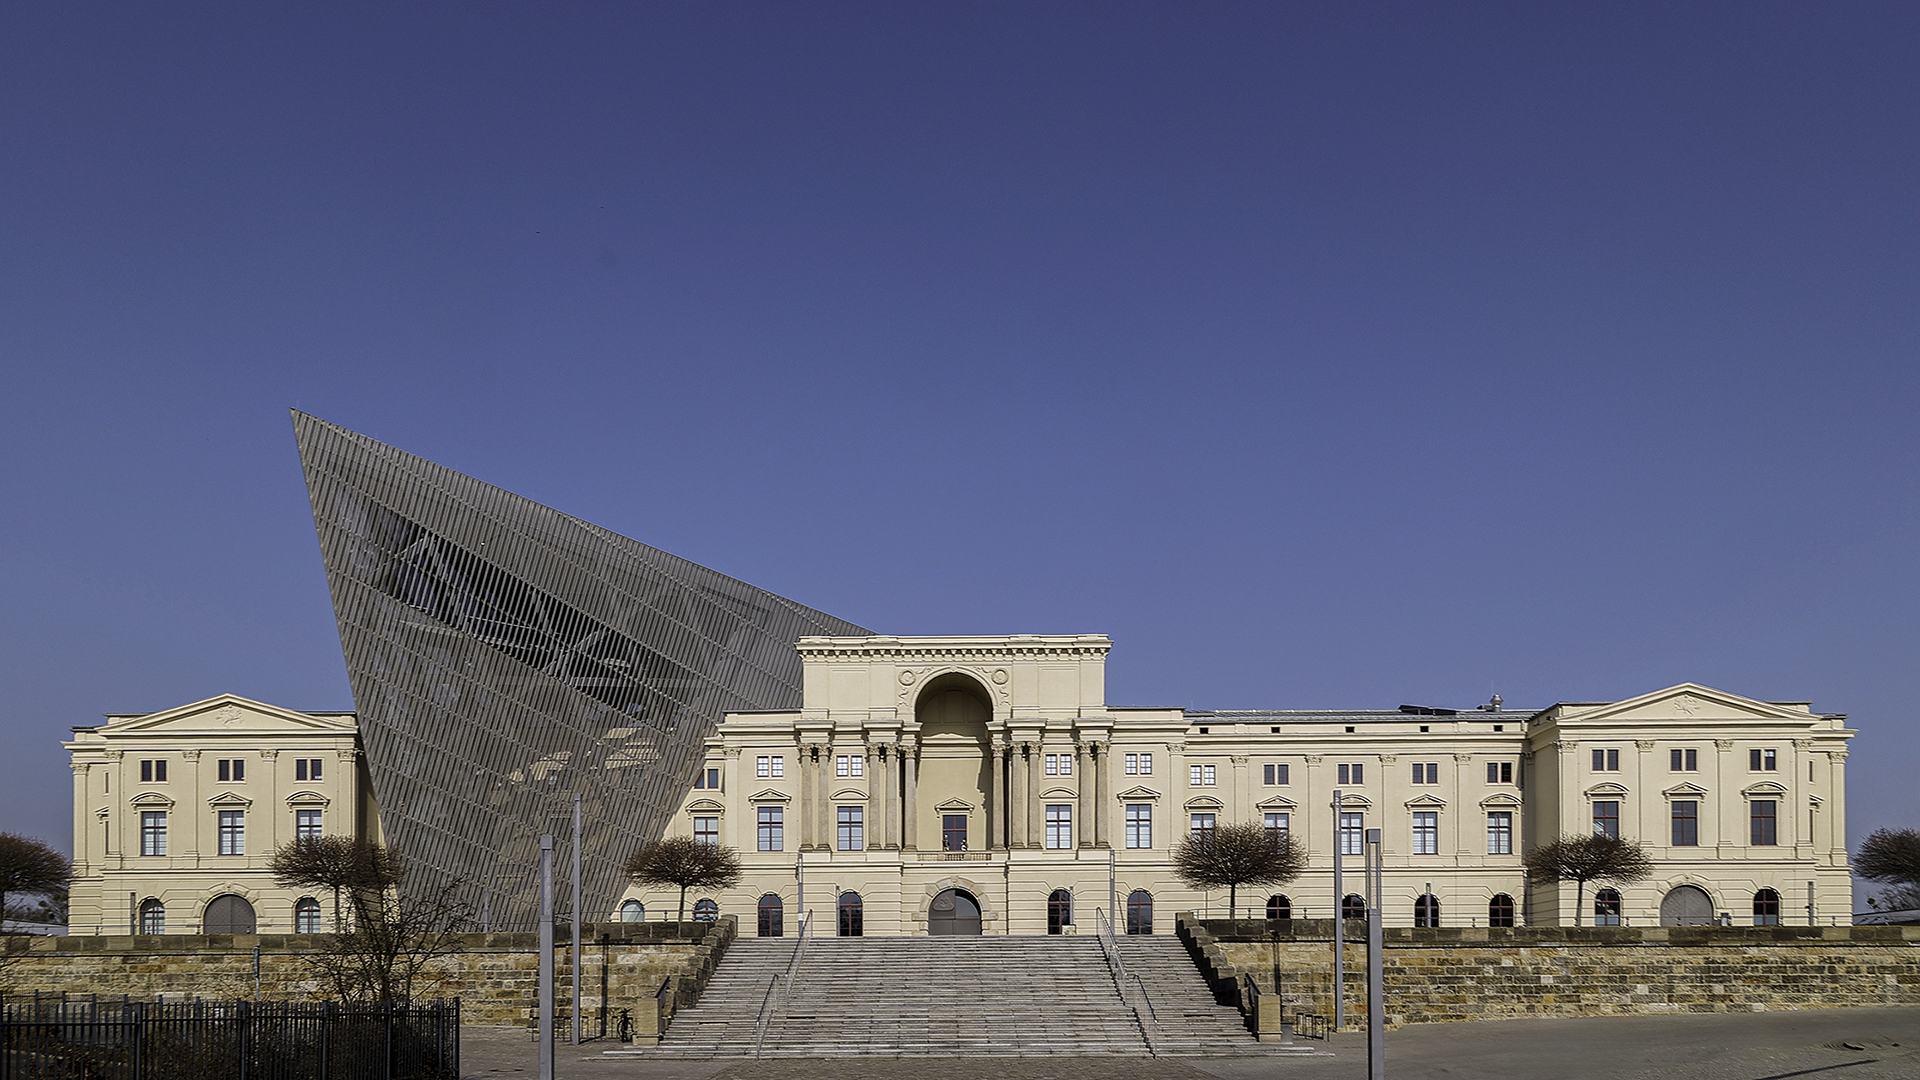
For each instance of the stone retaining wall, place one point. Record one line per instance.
(1483, 973)
(495, 975)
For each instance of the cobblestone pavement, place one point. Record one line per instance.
(1831, 1044)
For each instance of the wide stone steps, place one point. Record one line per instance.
(953, 995)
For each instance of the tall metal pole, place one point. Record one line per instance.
(1113, 886)
(1339, 925)
(800, 883)
(1376, 966)
(546, 957)
(575, 919)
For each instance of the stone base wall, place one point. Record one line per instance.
(496, 976)
(1450, 974)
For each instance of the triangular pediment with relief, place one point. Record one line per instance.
(1427, 802)
(1690, 702)
(1687, 790)
(704, 806)
(954, 806)
(769, 795)
(1278, 802)
(231, 714)
(1139, 792)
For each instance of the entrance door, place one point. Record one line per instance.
(1059, 911)
(229, 914)
(954, 911)
(1687, 906)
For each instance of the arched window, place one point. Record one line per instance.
(1139, 912)
(852, 915)
(705, 910)
(1500, 910)
(1352, 907)
(1059, 911)
(306, 915)
(1766, 908)
(1426, 910)
(633, 911)
(771, 916)
(1279, 907)
(153, 916)
(1606, 908)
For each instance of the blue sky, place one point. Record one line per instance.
(1322, 354)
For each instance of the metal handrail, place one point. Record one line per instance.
(782, 982)
(1146, 1017)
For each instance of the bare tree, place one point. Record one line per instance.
(361, 868)
(31, 867)
(393, 949)
(687, 863)
(1236, 855)
(1891, 856)
(1583, 857)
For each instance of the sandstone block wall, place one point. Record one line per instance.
(496, 976)
(1449, 974)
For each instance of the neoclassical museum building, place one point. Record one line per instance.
(507, 661)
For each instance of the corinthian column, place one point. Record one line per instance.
(997, 828)
(910, 761)
(1017, 799)
(1102, 792)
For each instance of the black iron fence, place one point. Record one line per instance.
(57, 1037)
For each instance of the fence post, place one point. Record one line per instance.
(388, 1074)
(326, 1033)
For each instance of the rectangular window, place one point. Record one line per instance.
(1353, 835)
(1499, 772)
(1763, 760)
(233, 832)
(1606, 761)
(306, 768)
(1426, 772)
(153, 771)
(1146, 764)
(1762, 815)
(1133, 765)
(849, 765)
(1686, 823)
(1276, 774)
(1426, 832)
(1499, 832)
(1683, 760)
(1200, 824)
(233, 770)
(1139, 825)
(1059, 827)
(953, 832)
(851, 838)
(299, 768)
(708, 778)
(1606, 818)
(306, 824)
(1200, 775)
(1066, 764)
(706, 830)
(771, 828)
(1352, 774)
(1280, 823)
(153, 832)
(770, 768)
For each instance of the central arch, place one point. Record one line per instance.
(954, 712)
(954, 912)
(1687, 905)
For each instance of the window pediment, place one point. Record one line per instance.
(307, 798)
(1203, 802)
(1764, 789)
(230, 799)
(1355, 801)
(1138, 794)
(848, 795)
(1608, 790)
(1429, 802)
(1059, 793)
(1501, 801)
(1278, 802)
(770, 795)
(151, 798)
(954, 806)
(1684, 791)
(705, 806)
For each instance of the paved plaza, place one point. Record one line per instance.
(1831, 1044)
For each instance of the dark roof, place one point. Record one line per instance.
(1351, 716)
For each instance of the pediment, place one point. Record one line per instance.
(1764, 787)
(955, 806)
(849, 794)
(1355, 800)
(1606, 790)
(704, 806)
(769, 795)
(151, 798)
(231, 713)
(1059, 793)
(1691, 702)
(1278, 802)
(1686, 790)
(1139, 792)
(307, 798)
(1203, 802)
(230, 799)
(1501, 800)
(1432, 802)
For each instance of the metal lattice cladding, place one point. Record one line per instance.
(504, 656)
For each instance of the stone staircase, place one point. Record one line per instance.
(911, 996)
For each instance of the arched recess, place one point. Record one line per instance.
(1687, 905)
(228, 913)
(990, 916)
(954, 713)
(953, 912)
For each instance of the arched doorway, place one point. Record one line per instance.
(852, 915)
(1059, 911)
(772, 916)
(952, 769)
(1687, 905)
(954, 911)
(1139, 912)
(229, 914)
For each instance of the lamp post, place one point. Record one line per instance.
(1339, 925)
(1376, 973)
(546, 956)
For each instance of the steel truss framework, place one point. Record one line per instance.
(504, 656)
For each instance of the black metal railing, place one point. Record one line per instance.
(61, 1037)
